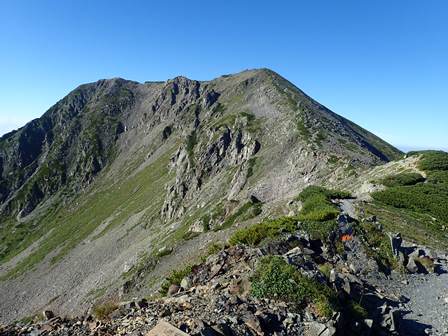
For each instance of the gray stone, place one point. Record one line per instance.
(186, 283)
(412, 266)
(173, 289)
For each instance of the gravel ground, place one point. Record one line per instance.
(428, 305)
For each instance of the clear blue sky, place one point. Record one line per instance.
(382, 63)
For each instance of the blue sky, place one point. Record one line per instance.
(382, 64)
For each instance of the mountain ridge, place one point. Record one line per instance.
(117, 171)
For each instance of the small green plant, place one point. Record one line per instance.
(377, 245)
(214, 248)
(325, 269)
(191, 143)
(355, 310)
(319, 229)
(175, 278)
(102, 311)
(247, 211)
(255, 234)
(275, 279)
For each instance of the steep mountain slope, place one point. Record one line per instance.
(118, 173)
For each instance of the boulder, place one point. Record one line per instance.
(173, 289)
(165, 329)
(412, 266)
(319, 329)
(142, 303)
(47, 314)
(186, 283)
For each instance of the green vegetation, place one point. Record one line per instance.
(274, 278)
(317, 217)
(319, 230)
(102, 311)
(251, 166)
(355, 310)
(429, 198)
(255, 234)
(432, 160)
(377, 245)
(317, 204)
(68, 226)
(303, 129)
(403, 179)
(175, 278)
(191, 143)
(247, 211)
(97, 292)
(145, 263)
(325, 269)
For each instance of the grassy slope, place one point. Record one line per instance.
(118, 201)
(416, 209)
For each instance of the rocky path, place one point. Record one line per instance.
(428, 305)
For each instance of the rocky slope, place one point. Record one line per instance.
(119, 174)
(219, 295)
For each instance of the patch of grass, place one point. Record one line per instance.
(418, 210)
(377, 245)
(432, 160)
(247, 211)
(317, 204)
(355, 310)
(97, 292)
(325, 269)
(213, 248)
(70, 225)
(191, 143)
(303, 129)
(251, 166)
(417, 227)
(102, 311)
(255, 234)
(275, 279)
(175, 278)
(403, 179)
(319, 229)
(426, 198)
(145, 264)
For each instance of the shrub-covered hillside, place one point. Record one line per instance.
(422, 198)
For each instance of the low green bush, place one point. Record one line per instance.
(402, 179)
(275, 279)
(377, 245)
(319, 229)
(433, 160)
(355, 310)
(424, 198)
(317, 205)
(102, 311)
(175, 278)
(439, 177)
(255, 234)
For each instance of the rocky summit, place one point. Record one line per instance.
(236, 206)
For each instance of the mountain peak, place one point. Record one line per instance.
(117, 166)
